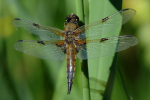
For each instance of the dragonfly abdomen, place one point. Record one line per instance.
(71, 63)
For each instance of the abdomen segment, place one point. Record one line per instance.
(71, 63)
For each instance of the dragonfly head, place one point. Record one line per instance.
(72, 18)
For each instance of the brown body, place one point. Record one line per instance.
(71, 63)
(71, 49)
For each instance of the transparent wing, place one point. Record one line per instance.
(40, 49)
(106, 25)
(44, 32)
(106, 46)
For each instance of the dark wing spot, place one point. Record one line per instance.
(36, 25)
(129, 36)
(41, 42)
(104, 19)
(103, 39)
(125, 9)
(17, 18)
(19, 40)
(58, 45)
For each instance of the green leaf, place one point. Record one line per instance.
(99, 68)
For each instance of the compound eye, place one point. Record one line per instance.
(77, 19)
(68, 18)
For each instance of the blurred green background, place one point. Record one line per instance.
(24, 77)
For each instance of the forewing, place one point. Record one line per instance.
(40, 49)
(106, 46)
(107, 24)
(44, 32)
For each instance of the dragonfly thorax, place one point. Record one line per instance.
(69, 33)
(70, 40)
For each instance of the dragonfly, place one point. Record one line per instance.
(74, 41)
